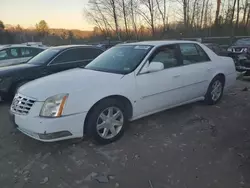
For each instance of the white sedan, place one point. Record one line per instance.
(125, 83)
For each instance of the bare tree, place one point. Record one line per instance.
(149, 16)
(238, 14)
(113, 6)
(163, 12)
(104, 14)
(133, 5)
(206, 14)
(233, 11)
(193, 13)
(202, 13)
(217, 12)
(248, 17)
(97, 16)
(124, 8)
(245, 7)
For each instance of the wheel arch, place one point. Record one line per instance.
(222, 76)
(127, 103)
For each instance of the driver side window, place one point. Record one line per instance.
(166, 55)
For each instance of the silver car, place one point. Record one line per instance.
(18, 53)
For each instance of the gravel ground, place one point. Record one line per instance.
(194, 146)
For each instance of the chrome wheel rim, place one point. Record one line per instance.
(109, 122)
(216, 90)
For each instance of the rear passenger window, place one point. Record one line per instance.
(193, 53)
(3, 55)
(26, 52)
(14, 52)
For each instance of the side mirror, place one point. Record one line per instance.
(153, 67)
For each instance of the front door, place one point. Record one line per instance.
(158, 90)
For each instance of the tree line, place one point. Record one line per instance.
(157, 19)
(41, 33)
(123, 20)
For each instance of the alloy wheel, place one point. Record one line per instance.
(110, 122)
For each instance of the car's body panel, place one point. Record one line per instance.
(148, 93)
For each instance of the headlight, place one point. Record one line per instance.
(229, 49)
(53, 106)
(245, 49)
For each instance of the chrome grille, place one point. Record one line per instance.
(22, 104)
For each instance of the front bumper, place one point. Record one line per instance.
(236, 55)
(242, 68)
(49, 129)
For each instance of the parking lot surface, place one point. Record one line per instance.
(194, 146)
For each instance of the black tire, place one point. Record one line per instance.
(208, 97)
(91, 123)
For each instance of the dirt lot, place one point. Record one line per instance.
(194, 146)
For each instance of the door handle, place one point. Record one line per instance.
(177, 76)
(209, 69)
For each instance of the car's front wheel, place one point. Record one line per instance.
(215, 90)
(106, 121)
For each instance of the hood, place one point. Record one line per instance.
(9, 69)
(67, 82)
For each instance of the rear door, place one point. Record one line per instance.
(196, 70)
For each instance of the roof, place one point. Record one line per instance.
(22, 45)
(70, 46)
(159, 43)
(209, 44)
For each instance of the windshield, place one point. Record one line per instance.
(120, 59)
(243, 42)
(44, 56)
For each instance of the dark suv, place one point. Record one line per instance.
(50, 61)
(240, 52)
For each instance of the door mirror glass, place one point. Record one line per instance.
(153, 67)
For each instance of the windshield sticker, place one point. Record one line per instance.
(142, 47)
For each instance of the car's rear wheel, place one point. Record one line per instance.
(106, 121)
(215, 91)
